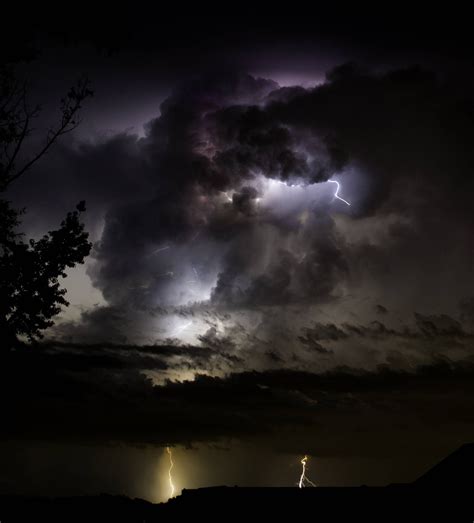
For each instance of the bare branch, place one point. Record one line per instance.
(19, 143)
(16, 123)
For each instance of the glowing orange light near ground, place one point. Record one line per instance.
(170, 477)
(304, 481)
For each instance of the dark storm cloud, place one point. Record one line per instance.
(182, 180)
(244, 200)
(98, 323)
(282, 339)
(156, 193)
(75, 356)
(56, 397)
(467, 310)
(183, 200)
(429, 327)
(312, 344)
(396, 124)
(439, 325)
(407, 130)
(252, 142)
(328, 331)
(288, 278)
(107, 173)
(421, 342)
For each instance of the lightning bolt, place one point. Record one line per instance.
(336, 194)
(180, 329)
(304, 481)
(195, 236)
(168, 273)
(156, 251)
(170, 478)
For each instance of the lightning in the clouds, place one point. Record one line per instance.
(170, 477)
(181, 328)
(336, 194)
(304, 481)
(156, 251)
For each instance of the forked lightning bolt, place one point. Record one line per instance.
(336, 194)
(304, 481)
(170, 478)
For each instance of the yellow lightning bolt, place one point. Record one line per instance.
(170, 478)
(303, 479)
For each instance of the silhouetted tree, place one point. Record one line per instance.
(30, 293)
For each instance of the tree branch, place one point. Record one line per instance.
(70, 106)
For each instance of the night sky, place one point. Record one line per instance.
(238, 305)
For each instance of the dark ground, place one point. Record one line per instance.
(444, 493)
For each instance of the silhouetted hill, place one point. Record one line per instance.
(456, 470)
(442, 494)
(401, 504)
(394, 503)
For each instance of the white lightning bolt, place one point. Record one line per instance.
(303, 479)
(156, 251)
(168, 273)
(195, 236)
(336, 194)
(170, 478)
(181, 328)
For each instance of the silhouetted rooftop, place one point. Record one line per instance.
(447, 497)
(454, 470)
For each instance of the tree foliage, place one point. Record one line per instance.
(30, 290)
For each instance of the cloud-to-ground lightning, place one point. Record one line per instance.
(304, 481)
(170, 477)
(336, 194)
